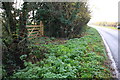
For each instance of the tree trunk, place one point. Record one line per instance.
(18, 46)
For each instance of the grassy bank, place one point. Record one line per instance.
(83, 57)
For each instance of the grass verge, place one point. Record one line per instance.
(83, 57)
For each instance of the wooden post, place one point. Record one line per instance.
(41, 28)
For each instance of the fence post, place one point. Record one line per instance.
(41, 28)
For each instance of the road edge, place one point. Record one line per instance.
(109, 54)
(113, 64)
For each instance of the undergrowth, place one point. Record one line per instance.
(77, 58)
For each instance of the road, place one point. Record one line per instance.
(113, 42)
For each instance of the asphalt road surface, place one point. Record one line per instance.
(113, 42)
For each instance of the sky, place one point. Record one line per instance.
(104, 10)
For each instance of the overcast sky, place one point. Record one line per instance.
(104, 10)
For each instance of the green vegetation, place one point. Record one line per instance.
(63, 19)
(60, 20)
(67, 50)
(77, 58)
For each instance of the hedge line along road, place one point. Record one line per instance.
(112, 38)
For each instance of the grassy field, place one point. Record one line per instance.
(83, 57)
(110, 27)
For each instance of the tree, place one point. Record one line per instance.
(63, 19)
(14, 36)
